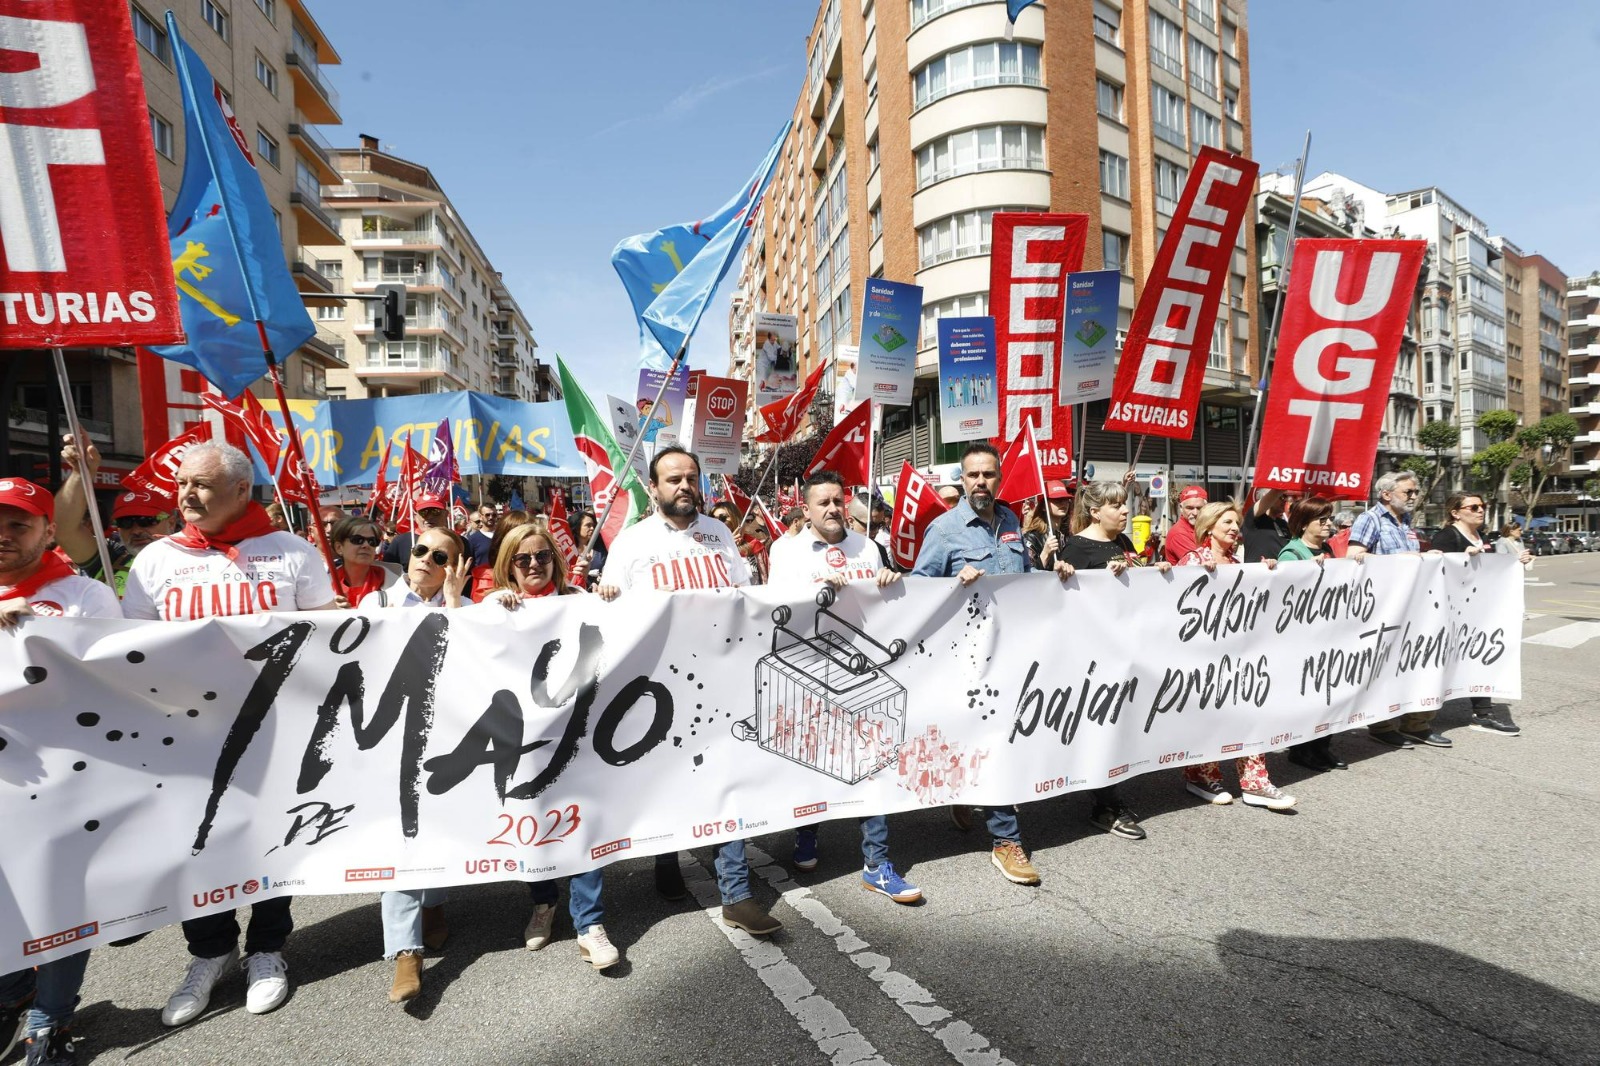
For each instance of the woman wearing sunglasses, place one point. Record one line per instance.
(1464, 535)
(436, 573)
(529, 568)
(356, 542)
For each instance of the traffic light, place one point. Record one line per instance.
(392, 313)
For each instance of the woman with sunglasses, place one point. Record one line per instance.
(1464, 535)
(483, 576)
(1310, 526)
(356, 543)
(413, 919)
(529, 567)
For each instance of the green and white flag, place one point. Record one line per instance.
(603, 458)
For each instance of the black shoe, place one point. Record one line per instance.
(1118, 821)
(1311, 760)
(51, 1047)
(13, 1019)
(961, 817)
(1488, 722)
(669, 882)
(1393, 738)
(748, 915)
(1431, 739)
(1334, 762)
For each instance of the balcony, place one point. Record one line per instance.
(316, 225)
(315, 98)
(321, 347)
(1584, 379)
(1578, 321)
(309, 279)
(375, 190)
(398, 238)
(411, 279)
(505, 359)
(315, 151)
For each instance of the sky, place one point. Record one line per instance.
(557, 129)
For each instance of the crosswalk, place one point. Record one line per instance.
(1571, 635)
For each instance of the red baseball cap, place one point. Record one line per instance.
(1058, 490)
(1193, 492)
(135, 502)
(424, 503)
(26, 496)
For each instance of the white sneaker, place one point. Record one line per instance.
(537, 935)
(1269, 796)
(1209, 793)
(266, 981)
(191, 998)
(597, 949)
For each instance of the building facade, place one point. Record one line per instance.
(1583, 376)
(464, 330)
(1536, 326)
(918, 121)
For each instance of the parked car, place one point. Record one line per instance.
(1425, 535)
(1591, 541)
(1546, 544)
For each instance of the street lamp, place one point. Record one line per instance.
(1546, 449)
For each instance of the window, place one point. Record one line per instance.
(976, 66)
(969, 306)
(152, 36)
(1204, 128)
(985, 148)
(267, 148)
(1166, 44)
(1201, 11)
(335, 313)
(1230, 105)
(1113, 175)
(215, 17)
(266, 75)
(955, 237)
(875, 222)
(1169, 185)
(1107, 23)
(872, 156)
(1113, 251)
(923, 10)
(1167, 111)
(1203, 67)
(269, 8)
(161, 134)
(332, 269)
(1108, 99)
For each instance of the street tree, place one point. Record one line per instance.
(1492, 465)
(1552, 432)
(1438, 437)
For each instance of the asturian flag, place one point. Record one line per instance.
(227, 254)
(670, 274)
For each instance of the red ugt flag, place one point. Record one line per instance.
(158, 473)
(847, 449)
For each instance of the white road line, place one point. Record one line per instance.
(1568, 636)
(965, 1044)
(824, 1022)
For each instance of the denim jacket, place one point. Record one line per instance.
(959, 538)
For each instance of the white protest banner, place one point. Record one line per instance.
(151, 772)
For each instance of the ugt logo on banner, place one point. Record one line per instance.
(82, 227)
(1341, 331)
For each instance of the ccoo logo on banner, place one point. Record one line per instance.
(1342, 325)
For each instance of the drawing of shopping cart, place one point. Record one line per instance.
(824, 701)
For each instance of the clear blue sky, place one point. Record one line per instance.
(559, 128)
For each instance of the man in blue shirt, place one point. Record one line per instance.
(979, 536)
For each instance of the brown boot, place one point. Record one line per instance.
(435, 928)
(407, 977)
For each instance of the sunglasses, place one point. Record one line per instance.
(360, 540)
(143, 521)
(439, 558)
(1412, 492)
(524, 561)
(1472, 507)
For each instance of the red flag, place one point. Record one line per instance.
(1343, 319)
(380, 483)
(915, 505)
(847, 450)
(561, 529)
(774, 527)
(787, 498)
(1033, 253)
(1163, 363)
(1021, 474)
(159, 473)
(406, 489)
(784, 416)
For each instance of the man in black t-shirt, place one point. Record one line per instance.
(1266, 530)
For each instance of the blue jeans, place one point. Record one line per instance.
(583, 898)
(733, 871)
(402, 917)
(213, 935)
(1003, 825)
(57, 983)
(874, 839)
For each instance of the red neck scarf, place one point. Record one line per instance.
(53, 566)
(255, 522)
(375, 581)
(546, 591)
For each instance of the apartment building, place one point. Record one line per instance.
(464, 330)
(269, 56)
(918, 120)
(1583, 376)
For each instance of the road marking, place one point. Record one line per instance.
(1568, 636)
(824, 1022)
(1538, 584)
(965, 1044)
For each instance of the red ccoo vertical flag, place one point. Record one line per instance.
(1021, 476)
(915, 506)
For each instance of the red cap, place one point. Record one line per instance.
(1193, 492)
(139, 502)
(1057, 490)
(26, 496)
(423, 503)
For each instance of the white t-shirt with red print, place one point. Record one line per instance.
(654, 554)
(275, 572)
(807, 559)
(75, 597)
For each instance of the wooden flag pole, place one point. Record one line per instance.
(82, 451)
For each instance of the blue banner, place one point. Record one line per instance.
(344, 439)
(891, 315)
(1089, 336)
(969, 394)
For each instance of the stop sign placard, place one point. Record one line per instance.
(721, 402)
(719, 423)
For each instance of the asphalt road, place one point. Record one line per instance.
(1425, 906)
